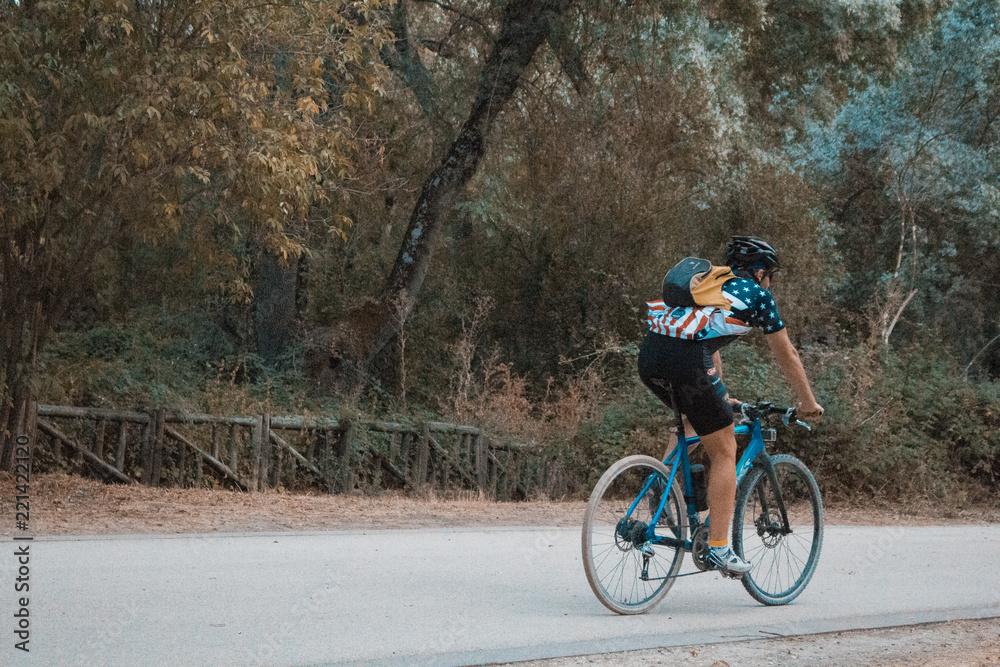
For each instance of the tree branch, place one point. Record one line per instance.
(965, 373)
(888, 331)
(400, 57)
(570, 55)
(468, 17)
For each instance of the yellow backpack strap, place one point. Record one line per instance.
(706, 289)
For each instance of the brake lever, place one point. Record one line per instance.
(789, 415)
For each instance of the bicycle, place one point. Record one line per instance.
(635, 535)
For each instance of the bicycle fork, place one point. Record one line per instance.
(764, 523)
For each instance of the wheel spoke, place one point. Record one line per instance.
(613, 562)
(783, 561)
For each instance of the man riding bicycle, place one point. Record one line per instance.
(681, 353)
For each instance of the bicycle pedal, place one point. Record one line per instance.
(731, 575)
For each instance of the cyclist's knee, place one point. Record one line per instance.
(721, 445)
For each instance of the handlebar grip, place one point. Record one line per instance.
(789, 416)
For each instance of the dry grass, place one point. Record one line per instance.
(71, 505)
(64, 504)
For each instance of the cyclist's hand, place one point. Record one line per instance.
(748, 411)
(810, 412)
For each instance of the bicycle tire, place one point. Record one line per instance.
(756, 538)
(614, 564)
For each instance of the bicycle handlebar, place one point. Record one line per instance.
(754, 411)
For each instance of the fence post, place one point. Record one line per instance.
(482, 464)
(157, 467)
(120, 452)
(423, 455)
(255, 451)
(198, 473)
(265, 450)
(325, 456)
(465, 460)
(146, 450)
(292, 468)
(182, 466)
(405, 465)
(444, 459)
(234, 446)
(311, 445)
(99, 438)
(345, 472)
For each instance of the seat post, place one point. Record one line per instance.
(677, 413)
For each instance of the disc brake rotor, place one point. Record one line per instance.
(769, 528)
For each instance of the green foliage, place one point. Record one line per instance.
(911, 166)
(148, 118)
(907, 427)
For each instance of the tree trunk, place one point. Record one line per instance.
(18, 363)
(525, 24)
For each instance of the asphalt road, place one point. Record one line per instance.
(444, 597)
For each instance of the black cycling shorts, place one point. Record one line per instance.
(687, 366)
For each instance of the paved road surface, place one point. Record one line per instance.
(446, 597)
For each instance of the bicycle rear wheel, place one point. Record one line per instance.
(624, 578)
(783, 562)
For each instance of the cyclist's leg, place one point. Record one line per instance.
(721, 449)
(703, 401)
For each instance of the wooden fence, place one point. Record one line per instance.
(259, 452)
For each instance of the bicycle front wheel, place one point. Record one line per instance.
(627, 573)
(783, 561)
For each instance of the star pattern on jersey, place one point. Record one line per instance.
(763, 312)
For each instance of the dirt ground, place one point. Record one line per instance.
(954, 644)
(63, 504)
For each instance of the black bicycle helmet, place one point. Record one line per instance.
(750, 252)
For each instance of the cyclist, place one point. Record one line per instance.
(681, 351)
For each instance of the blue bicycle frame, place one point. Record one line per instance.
(678, 459)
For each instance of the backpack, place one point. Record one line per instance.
(695, 282)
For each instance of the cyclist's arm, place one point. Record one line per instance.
(717, 362)
(791, 366)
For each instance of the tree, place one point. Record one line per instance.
(913, 168)
(135, 120)
(524, 25)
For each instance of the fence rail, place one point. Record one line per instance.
(260, 452)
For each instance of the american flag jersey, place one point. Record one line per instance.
(751, 306)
